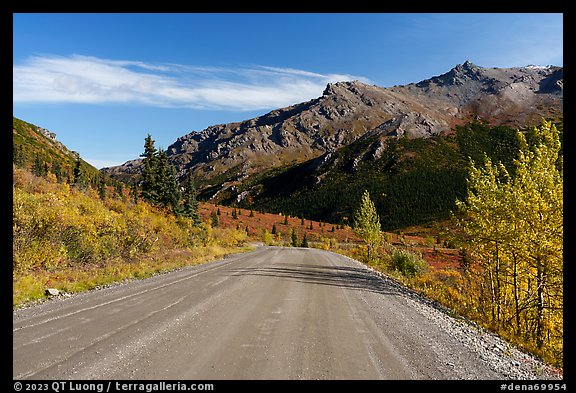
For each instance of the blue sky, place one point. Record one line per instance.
(102, 82)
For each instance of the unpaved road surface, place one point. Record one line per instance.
(273, 313)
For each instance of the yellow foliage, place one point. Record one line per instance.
(51, 177)
(58, 227)
(267, 238)
(229, 237)
(515, 225)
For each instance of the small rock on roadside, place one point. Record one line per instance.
(52, 292)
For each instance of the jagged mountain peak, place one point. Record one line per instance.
(467, 66)
(342, 87)
(458, 75)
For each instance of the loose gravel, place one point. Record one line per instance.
(502, 357)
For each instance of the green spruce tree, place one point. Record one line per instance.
(215, 220)
(191, 206)
(167, 185)
(80, 180)
(294, 238)
(149, 184)
(101, 189)
(134, 193)
(38, 167)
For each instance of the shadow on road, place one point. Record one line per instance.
(338, 276)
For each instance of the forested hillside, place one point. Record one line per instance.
(37, 150)
(412, 181)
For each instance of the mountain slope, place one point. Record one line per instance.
(38, 149)
(222, 157)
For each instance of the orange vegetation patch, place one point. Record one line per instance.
(260, 222)
(441, 258)
(437, 257)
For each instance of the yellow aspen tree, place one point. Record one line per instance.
(485, 226)
(367, 225)
(515, 229)
(538, 199)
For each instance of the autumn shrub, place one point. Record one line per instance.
(74, 240)
(229, 237)
(450, 288)
(409, 263)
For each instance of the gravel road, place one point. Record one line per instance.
(273, 313)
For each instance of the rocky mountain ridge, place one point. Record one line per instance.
(222, 156)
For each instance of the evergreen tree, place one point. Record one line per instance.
(304, 241)
(38, 167)
(464, 258)
(18, 156)
(286, 220)
(251, 213)
(57, 170)
(234, 214)
(79, 176)
(294, 238)
(150, 180)
(134, 192)
(215, 220)
(159, 184)
(101, 189)
(191, 206)
(167, 183)
(119, 189)
(46, 169)
(274, 231)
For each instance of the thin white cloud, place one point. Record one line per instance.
(99, 164)
(91, 80)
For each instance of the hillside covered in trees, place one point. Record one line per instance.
(412, 181)
(38, 151)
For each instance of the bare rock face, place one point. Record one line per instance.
(348, 110)
(413, 125)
